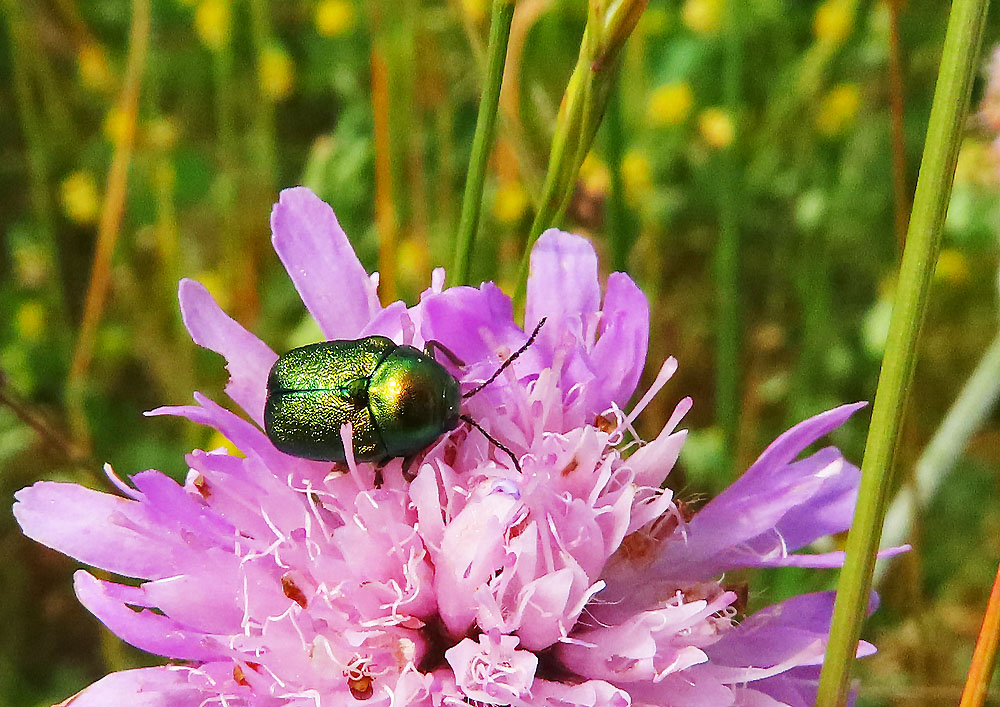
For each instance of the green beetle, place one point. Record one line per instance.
(399, 400)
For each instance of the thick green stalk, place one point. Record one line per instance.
(729, 332)
(482, 142)
(930, 203)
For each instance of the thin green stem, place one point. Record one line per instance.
(38, 153)
(482, 142)
(262, 33)
(560, 172)
(944, 130)
(967, 414)
(727, 252)
(619, 229)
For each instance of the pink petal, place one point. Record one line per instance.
(248, 359)
(791, 443)
(98, 529)
(563, 284)
(620, 353)
(321, 262)
(164, 686)
(144, 629)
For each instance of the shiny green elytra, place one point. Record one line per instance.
(397, 399)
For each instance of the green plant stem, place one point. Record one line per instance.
(39, 156)
(482, 142)
(608, 27)
(727, 252)
(620, 230)
(967, 414)
(944, 130)
(264, 141)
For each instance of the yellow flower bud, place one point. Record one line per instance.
(276, 73)
(117, 126)
(654, 20)
(952, 267)
(212, 19)
(216, 287)
(716, 128)
(637, 175)
(92, 66)
(334, 17)
(475, 10)
(838, 109)
(161, 134)
(510, 202)
(669, 104)
(594, 175)
(702, 16)
(220, 441)
(833, 22)
(79, 197)
(31, 320)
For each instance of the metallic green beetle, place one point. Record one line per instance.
(398, 399)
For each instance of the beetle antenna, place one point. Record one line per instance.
(510, 360)
(496, 443)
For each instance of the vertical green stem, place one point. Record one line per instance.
(609, 25)
(727, 257)
(930, 203)
(619, 229)
(264, 136)
(973, 406)
(39, 161)
(482, 142)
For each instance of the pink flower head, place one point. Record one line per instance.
(270, 580)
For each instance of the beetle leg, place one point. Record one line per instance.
(379, 480)
(431, 346)
(493, 440)
(510, 360)
(407, 465)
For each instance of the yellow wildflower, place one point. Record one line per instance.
(833, 22)
(216, 287)
(334, 17)
(594, 175)
(977, 163)
(161, 134)
(510, 202)
(212, 19)
(80, 200)
(952, 267)
(277, 73)
(637, 175)
(413, 263)
(117, 126)
(702, 16)
(92, 66)
(654, 20)
(716, 127)
(669, 104)
(220, 441)
(475, 10)
(31, 320)
(838, 109)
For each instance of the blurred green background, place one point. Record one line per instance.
(373, 105)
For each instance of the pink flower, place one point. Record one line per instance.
(578, 582)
